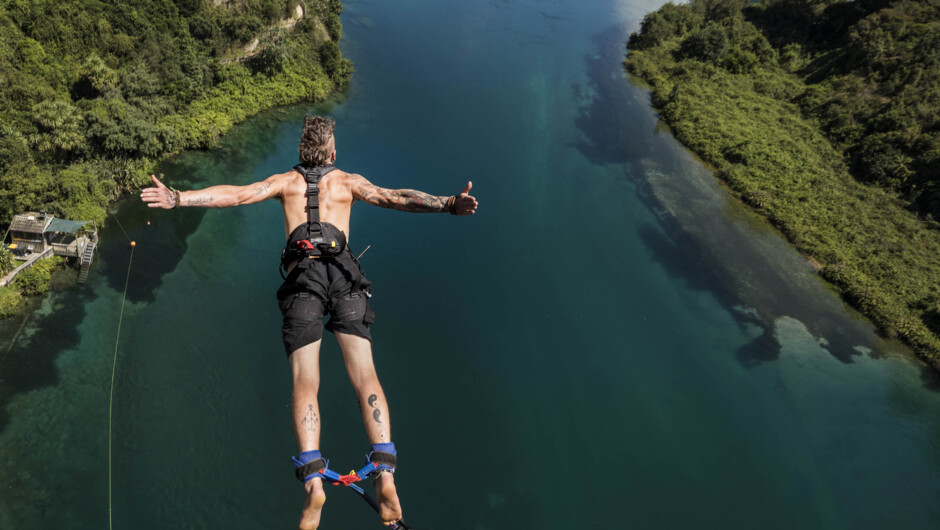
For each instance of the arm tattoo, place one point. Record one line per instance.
(262, 188)
(372, 399)
(199, 200)
(404, 200)
(377, 416)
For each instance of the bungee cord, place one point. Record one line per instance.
(113, 370)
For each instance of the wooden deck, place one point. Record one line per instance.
(71, 250)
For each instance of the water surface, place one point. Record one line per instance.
(611, 342)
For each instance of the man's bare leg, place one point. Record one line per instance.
(357, 353)
(305, 367)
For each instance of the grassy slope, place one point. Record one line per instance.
(879, 255)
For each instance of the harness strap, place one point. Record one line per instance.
(313, 175)
(314, 244)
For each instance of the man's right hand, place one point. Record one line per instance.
(159, 196)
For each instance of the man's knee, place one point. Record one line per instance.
(305, 366)
(357, 354)
(307, 380)
(364, 379)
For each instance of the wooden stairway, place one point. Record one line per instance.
(86, 259)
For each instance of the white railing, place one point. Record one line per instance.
(9, 277)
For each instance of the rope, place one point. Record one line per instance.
(375, 506)
(120, 226)
(113, 368)
(332, 477)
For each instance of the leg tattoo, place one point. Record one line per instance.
(377, 416)
(311, 421)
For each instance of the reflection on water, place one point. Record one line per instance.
(609, 338)
(734, 255)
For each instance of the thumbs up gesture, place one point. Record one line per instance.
(465, 204)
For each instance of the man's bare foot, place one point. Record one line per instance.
(310, 518)
(387, 497)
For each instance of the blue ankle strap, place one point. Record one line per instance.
(309, 465)
(383, 457)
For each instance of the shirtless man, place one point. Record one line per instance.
(323, 278)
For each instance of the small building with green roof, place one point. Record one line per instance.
(33, 236)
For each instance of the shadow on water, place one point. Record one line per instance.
(677, 253)
(610, 113)
(722, 254)
(930, 377)
(27, 359)
(763, 349)
(161, 246)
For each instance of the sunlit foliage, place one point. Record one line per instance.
(824, 116)
(93, 94)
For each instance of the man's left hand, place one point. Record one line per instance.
(465, 204)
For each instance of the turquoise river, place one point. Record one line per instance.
(611, 342)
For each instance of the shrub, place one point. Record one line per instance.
(707, 44)
(329, 57)
(35, 280)
(7, 263)
(10, 299)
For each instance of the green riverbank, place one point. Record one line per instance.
(95, 96)
(767, 100)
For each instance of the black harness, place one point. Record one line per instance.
(314, 239)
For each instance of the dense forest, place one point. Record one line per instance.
(93, 94)
(823, 115)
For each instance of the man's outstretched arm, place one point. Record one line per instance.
(213, 197)
(413, 200)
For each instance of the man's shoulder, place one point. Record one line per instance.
(346, 177)
(287, 175)
(350, 177)
(290, 182)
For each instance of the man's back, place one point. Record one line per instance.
(335, 198)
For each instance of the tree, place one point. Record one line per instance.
(59, 131)
(6, 260)
(329, 57)
(96, 79)
(708, 44)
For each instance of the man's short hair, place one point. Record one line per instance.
(316, 144)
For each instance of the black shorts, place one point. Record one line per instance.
(334, 286)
